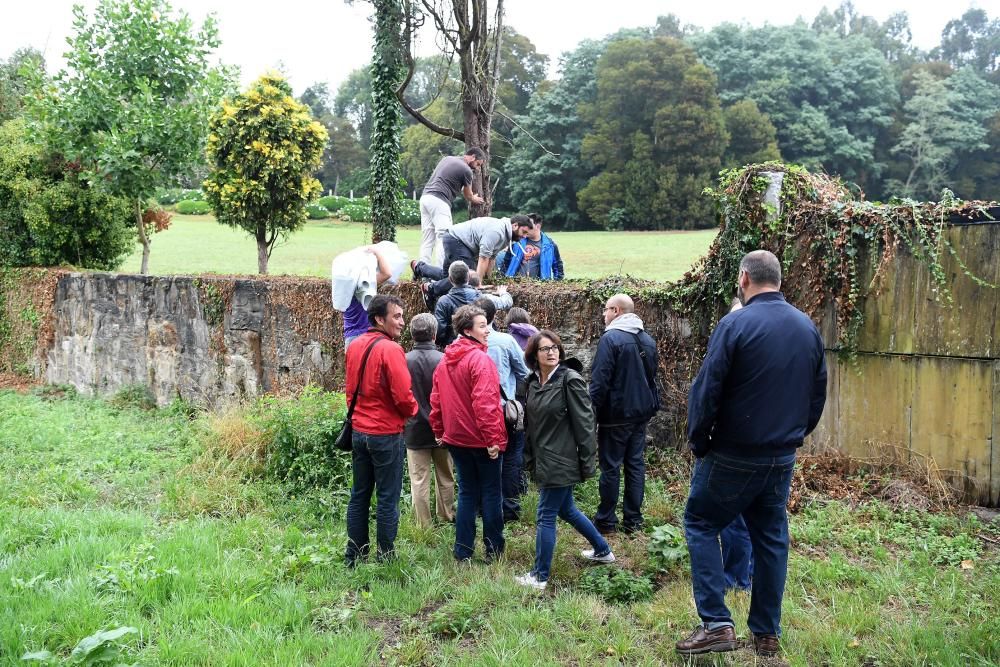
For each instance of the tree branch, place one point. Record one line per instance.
(415, 113)
(529, 135)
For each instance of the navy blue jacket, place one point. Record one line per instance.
(446, 307)
(762, 386)
(622, 390)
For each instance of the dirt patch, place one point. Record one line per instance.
(18, 383)
(900, 485)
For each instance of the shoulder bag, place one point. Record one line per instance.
(345, 441)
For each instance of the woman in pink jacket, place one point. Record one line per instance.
(466, 416)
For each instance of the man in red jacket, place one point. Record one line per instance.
(385, 402)
(466, 415)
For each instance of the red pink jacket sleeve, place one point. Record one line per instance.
(399, 381)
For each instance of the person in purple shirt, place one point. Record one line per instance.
(356, 317)
(519, 326)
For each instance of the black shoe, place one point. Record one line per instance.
(632, 529)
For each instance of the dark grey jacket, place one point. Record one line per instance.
(561, 442)
(421, 360)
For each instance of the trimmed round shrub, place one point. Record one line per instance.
(409, 212)
(317, 212)
(193, 207)
(334, 203)
(356, 212)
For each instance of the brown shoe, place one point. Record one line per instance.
(766, 645)
(708, 641)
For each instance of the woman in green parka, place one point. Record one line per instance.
(560, 451)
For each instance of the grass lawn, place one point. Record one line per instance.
(197, 244)
(114, 516)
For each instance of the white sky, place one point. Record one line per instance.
(323, 40)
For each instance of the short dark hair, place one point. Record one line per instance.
(379, 307)
(536, 218)
(531, 350)
(458, 273)
(476, 152)
(762, 267)
(488, 307)
(522, 221)
(517, 314)
(464, 318)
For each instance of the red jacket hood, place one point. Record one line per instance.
(460, 349)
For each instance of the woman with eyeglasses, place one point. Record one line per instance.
(560, 452)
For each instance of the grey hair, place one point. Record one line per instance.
(762, 267)
(458, 273)
(423, 328)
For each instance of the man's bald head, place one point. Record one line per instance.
(763, 268)
(616, 306)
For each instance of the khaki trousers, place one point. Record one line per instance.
(419, 463)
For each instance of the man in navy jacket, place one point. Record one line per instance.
(760, 391)
(623, 391)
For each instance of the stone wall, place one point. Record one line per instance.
(925, 384)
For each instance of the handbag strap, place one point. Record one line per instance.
(650, 377)
(361, 375)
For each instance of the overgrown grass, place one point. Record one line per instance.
(116, 516)
(197, 244)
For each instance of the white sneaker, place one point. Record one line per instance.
(530, 581)
(606, 558)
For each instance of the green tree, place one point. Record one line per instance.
(973, 41)
(133, 105)
(946, 119)
(263, 147)
(545, 170)
(343, 153)
(49, 217)
(831, 98)
(752, 137)
(15, 79)
(658, 85)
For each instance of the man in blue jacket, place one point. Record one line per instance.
(534, 256)
(623, 391)
(760, 391)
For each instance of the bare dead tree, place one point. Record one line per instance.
(464, 31)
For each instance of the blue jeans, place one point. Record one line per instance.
(737, 555)
(554, 502)
(621, 446)
(512, 480)
(722, 488)
(378, 467)
(478, 487)
(454, 251)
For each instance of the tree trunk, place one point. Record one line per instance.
(143, 238)
(262, 255)
(336, 185)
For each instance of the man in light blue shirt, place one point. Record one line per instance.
(509, 360)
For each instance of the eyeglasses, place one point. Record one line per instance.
(548, 348)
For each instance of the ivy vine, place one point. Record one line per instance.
(828, 242)
(386, 71)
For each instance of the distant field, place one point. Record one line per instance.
(197, 244)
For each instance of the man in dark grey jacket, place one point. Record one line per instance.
(623, 390)
(421, 448)
(461, 294)
(759, 393)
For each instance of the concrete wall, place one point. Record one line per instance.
(926, 381)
